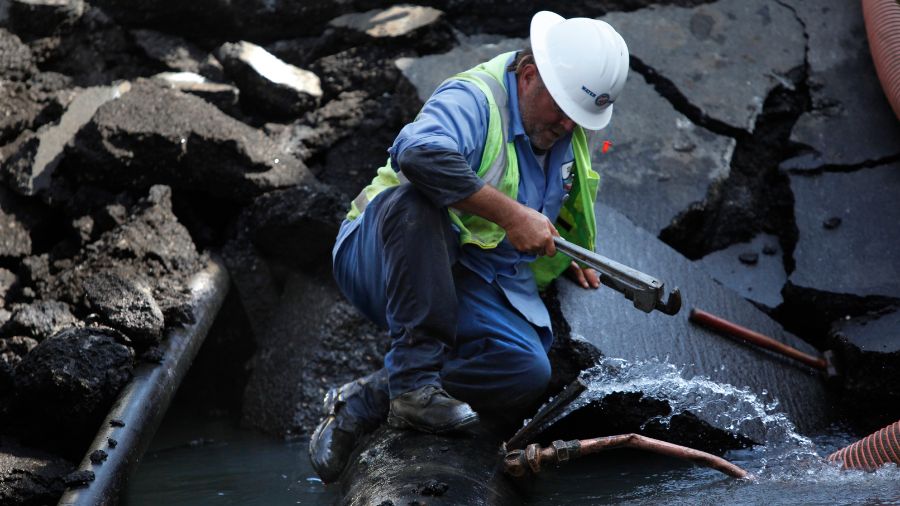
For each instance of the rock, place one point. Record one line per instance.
(178, 54)
(16, 60)
(158, 135)
(150, 245)
(857, 258)
(80, 478)
(760, 281)
(29, 475)
(832, 223)
(7, 283)
(609, 321)
(869, 351)
(316, 340)
(40, 319)
(69, 381)
(263, 20)
(125, 304)
(748, 258)
(646, 175)
(426, 73)
(268, 85)
(416, 26)
(19, 345)
(98, 456)
(321, 128)
(295, 226)
(39, 18)
(15, 222)
(851, 121)
(365, 69)
(223, 96)
(31, 167)
(741, 62)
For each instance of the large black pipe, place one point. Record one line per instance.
(136, 414)
(409, 467)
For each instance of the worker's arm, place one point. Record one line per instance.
(446, 179)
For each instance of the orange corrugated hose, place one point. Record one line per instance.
(882, 19)
(872, 451)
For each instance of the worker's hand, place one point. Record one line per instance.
(532, 232)
(586, 277)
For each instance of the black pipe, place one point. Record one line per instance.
(410, 467)
(136, 414)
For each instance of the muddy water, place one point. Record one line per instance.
(200, 460)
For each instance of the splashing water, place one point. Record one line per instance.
(788, 468)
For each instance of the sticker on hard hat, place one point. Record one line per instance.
(602, 100)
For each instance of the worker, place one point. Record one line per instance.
(450, 244)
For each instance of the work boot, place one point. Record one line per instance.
(339, 432)
(430, 409)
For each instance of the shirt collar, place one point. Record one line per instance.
(515, 120)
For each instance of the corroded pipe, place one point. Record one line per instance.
(519, 462)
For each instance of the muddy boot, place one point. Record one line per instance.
(430, 409)
(351, 411)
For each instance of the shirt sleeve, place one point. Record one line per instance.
(446, 137)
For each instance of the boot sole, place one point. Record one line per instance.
(398, 422)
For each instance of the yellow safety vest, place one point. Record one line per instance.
(500, 168)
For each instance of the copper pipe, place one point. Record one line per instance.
(733, 329)
(519, 462)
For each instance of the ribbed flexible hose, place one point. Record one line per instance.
(872, 451)
(882, 19)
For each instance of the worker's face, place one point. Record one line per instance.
(544, 122)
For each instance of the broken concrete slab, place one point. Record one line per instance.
(29, 168)
(150, 244)
(368, 69)
(40, 18)
(610, 322)
(155, 134)
(722, 56)
(659, 162)
(296, 226)
(268, 85)
(178, 54)
(7, 283)
(317, 340)
(427, 72)
(395, 21)
(321, 128)
(754, 270)
(851, 121)
(125, 303)
(424, 28)
(29, 475)
(40, 319)
(16, 60)
(68, 382)
(869, 351)
(859, 256)
(223, 96)
(15, 222)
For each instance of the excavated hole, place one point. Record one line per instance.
(756, 197)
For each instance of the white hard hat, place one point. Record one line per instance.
(584, 64)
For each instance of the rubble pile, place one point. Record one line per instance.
(138, 140)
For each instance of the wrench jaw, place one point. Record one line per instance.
(672, 304)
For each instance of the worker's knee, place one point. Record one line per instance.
(532, 381)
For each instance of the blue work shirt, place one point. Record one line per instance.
(455, 118)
